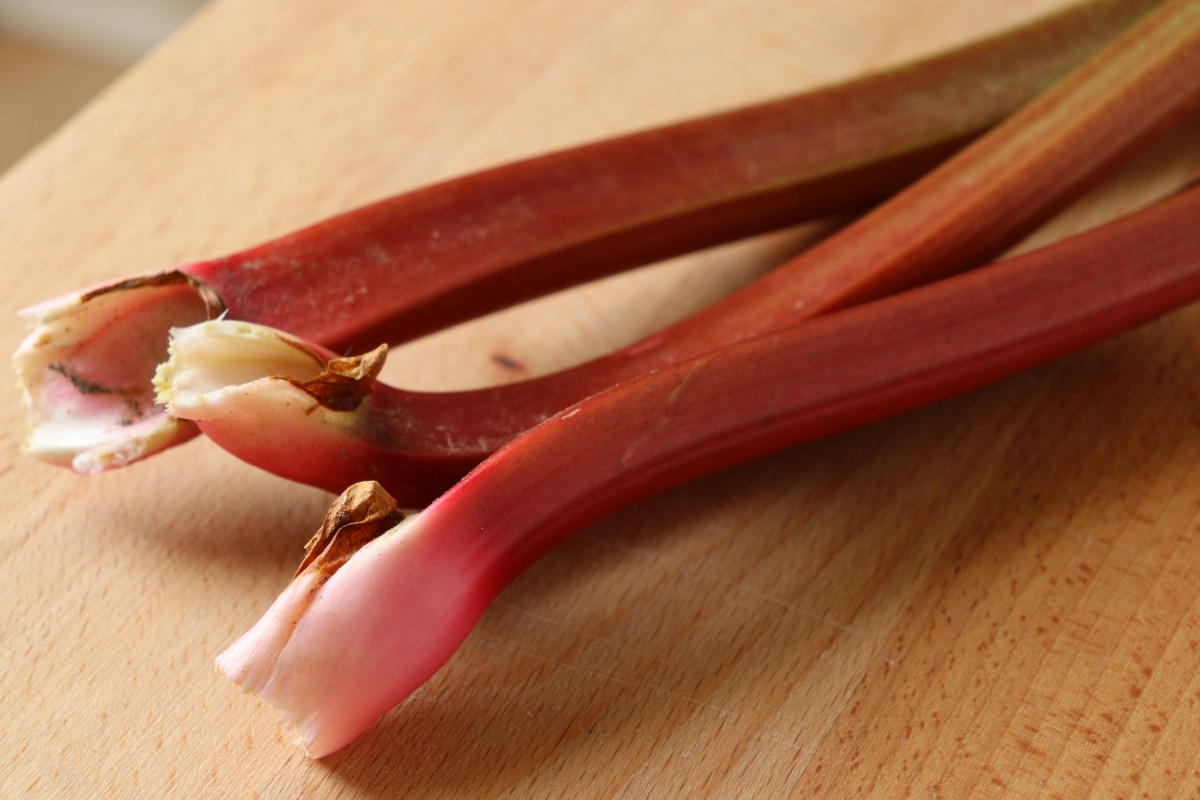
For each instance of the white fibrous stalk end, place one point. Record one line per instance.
(223, 370)
(270, 399)
(86, 367)
(216, 357)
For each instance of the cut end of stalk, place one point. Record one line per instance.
(212, 363)
(373, 613)
(362, 513)
(85, 370)
(274, 401)
(250, 661)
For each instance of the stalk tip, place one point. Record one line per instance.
(86, 367)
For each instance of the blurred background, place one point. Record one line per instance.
(56, 55)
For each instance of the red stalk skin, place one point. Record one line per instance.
(982, 200)
(846, 370)
(340, 648)
(410, 265)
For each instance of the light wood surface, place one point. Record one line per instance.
(40, 89)
(996, 596)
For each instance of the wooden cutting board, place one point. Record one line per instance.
(996, 596)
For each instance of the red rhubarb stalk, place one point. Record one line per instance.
(362, 626)
(964, 212)
(407, 266)
(461, 249)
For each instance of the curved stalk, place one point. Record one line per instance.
(425, 260)
(962, 213)
(352, 637)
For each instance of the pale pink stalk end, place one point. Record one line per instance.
(250, 660)
(85, 370)
(336, 653)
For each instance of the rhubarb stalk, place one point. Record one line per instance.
(343, 644)
(413, 264)
(967, 210)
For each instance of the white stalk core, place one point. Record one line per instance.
(218, 357)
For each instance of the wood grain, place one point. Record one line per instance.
(996, 596)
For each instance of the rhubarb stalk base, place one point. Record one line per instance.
(335, 654)
(85, 370)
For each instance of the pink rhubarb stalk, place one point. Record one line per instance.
(409, 265)
(363, 625)
(970, 208)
